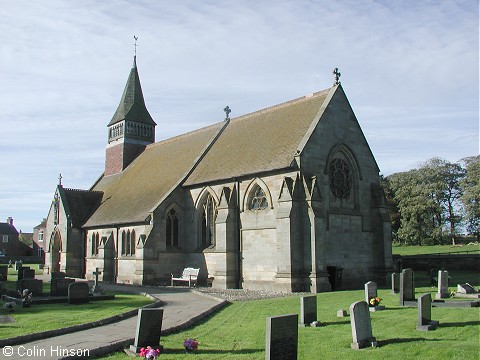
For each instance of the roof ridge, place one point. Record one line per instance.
(82, 190)
(189, 133)
(283, 104)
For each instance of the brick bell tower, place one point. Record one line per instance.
(131, 128)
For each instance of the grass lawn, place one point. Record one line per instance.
(238, 331)
(434, 249)
(54, 316)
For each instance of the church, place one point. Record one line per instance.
(286, 198)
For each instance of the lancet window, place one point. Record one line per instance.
(209, 213)
(172, 228)
(128, 243)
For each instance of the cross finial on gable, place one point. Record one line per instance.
(227, 112)
(60, 179)
(337, 76)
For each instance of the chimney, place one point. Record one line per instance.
(10, 220)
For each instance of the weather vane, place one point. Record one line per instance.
(337, 76)
(135, 45)
(227, 113)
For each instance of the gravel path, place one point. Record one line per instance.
(245, 295)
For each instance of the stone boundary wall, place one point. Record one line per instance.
(470, 262)
(25, 259)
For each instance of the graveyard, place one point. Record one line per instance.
(242, 329)
(239, 330)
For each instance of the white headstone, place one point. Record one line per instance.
(442, 292)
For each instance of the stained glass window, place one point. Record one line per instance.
(259, 199)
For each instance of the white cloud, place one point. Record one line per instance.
(410, 71)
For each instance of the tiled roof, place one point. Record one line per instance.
(79, 204)
(129, 196)
(132, 105)
(261, 141)
(6, 228)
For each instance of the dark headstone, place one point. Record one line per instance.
(395, 283)
(21, 269)
(96, 287)
(361, 326)
(465, 289)
(308, 310)
(59, 287)
(149, 327)
(34, 285)
(282, 337)
(407, 286)
(57, 275)
(425, 321)
(3, 273)
(28, 273)
(78, 293)
(371, 293)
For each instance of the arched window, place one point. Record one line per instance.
(209, 212)
(128, 242)
(124, 243)
(95, 243)
(259, 199)
(132, 243)
(127, 245)
(172, 228)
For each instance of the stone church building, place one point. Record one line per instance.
(286, 198)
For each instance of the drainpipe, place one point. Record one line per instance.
(239, 239)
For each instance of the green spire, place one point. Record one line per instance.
(132, 105)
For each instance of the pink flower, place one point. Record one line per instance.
(149, 353)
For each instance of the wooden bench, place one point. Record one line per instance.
(189, 275)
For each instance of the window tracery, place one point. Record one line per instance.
(259, 199)
(340, 178)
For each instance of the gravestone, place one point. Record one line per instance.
(425, 321)
(308, 310)
(149, 327)
(96, 287)
(342, 313)
(28, 273)
(465, 289)
(78, 293)
(3, 273)
(5, 319)
(34, 285)
(395, 283)
(361, 326)
(433, 277)
(18, 265)
(21, 269)
(442, 292)
(59, 284)
(57, 275)
(282, 337)
(407, 288)
(371, 292)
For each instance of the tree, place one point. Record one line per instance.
(416, 206)
(471, 194)
(392, 203)
(443, 179)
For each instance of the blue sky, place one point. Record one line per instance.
(410, 70)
